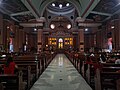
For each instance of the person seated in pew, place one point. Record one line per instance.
(92, 54)
(117, 61)
(10, 66)
(111, 59)
(102, 58)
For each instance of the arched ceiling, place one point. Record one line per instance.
(27, 10)
(80, 5)
(47, 2)
(60, 11)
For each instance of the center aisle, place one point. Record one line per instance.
(61, 75)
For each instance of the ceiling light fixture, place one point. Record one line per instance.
(35, 29)
(60, 6)
(112, 27)
(8, 27)
(86, 29)
(53, 4)
(52, 26)
(69, 26)
(67, 4)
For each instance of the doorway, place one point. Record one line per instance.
(60, 43)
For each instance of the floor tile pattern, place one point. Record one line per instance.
(61, 75)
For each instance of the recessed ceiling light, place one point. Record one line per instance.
(60, 6)
(67, 4)
(53, 4)
(52, 26)
(35, 29)
(86, 29)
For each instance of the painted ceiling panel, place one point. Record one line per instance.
(96, 17)
(17, 8)
(13, 6)
(105, 9)
(24, 18)
(108, 6)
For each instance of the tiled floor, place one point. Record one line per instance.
(60, 75)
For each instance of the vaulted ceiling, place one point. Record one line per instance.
(28, 10)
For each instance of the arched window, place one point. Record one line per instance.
(60, 43)
(60, 40)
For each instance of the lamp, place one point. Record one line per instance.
(52, 26)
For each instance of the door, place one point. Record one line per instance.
(60, 43)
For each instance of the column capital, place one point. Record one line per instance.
(79, 19)
(40, 28)
(41, 19)
(81, 27)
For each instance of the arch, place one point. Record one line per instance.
(60, 43)
(61, 16)
(58, 13)
(60, 40)
(47, 2)
(49, 22)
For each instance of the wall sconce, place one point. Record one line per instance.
(52, 26)
(69, 26)
(8, 27)
(112, 27)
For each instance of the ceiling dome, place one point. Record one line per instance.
(60, 7)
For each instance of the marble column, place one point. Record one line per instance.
(41, 20)
(80, 20)
(81, 39)
(40, 39)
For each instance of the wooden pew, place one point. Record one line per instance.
(90, 73)
(38, 63)
(11, 82)
(110, 64)
(25, 63)
(107, 78)
(46, 58)
(29, 60)
(1, 86)
(34, 62)
(29, 69)
(89, 67)
(80, 62)
(26, 76)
